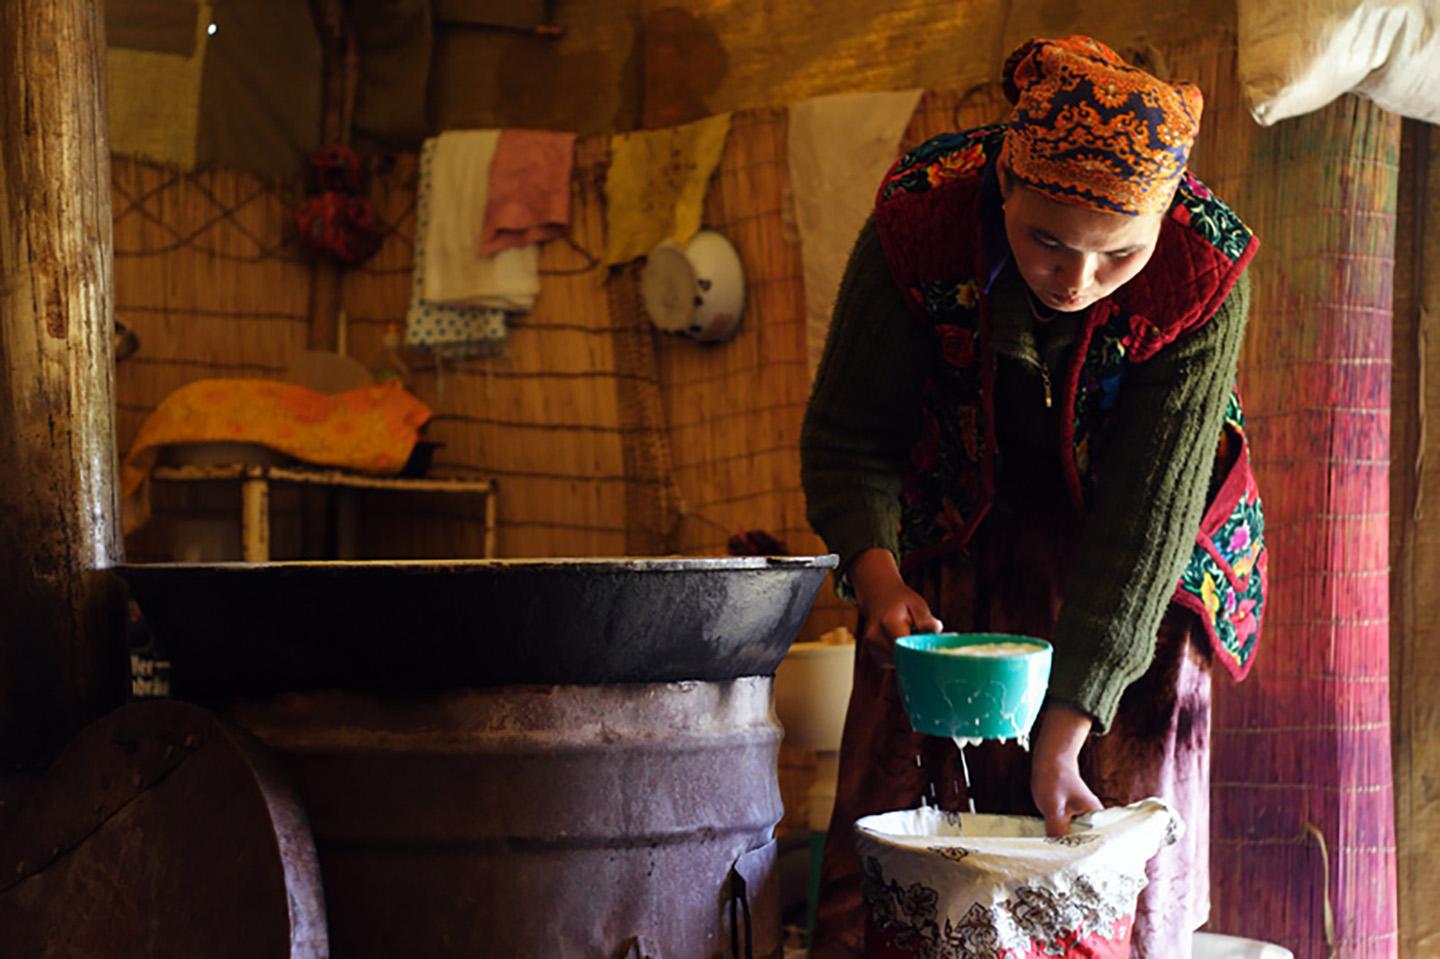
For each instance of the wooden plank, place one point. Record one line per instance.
(1415, 540)
(255, 519)
(317, 477)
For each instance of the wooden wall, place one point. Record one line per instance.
(1415, 540)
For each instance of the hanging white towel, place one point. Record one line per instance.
(448, 329)
(454, 271)
(839, 148)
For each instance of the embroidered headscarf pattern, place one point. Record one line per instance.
(1090, 130)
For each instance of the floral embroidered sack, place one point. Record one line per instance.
(942, 885)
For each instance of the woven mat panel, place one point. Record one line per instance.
(734, 410)
(1301, 759)
(205, 275)
(543, 418)
(652, 501)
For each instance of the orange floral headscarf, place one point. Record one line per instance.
(1090, 130)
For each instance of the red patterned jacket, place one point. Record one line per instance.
(930, 220)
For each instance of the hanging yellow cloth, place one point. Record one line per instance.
(369, 430)
(655, 186)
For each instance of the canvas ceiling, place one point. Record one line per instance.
(648, 63)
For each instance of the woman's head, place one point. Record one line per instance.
(1093, 152)
(1071, 256)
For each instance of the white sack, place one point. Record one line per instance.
(1295, 57)
(940, 884)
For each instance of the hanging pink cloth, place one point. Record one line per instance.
(529, 189)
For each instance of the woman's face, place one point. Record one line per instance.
(1070, 256)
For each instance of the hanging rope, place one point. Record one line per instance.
(1310, 829)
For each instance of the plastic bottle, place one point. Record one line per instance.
(391, 367)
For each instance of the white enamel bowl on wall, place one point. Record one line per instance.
(696, 291)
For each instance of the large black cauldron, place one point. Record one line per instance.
(253, 629)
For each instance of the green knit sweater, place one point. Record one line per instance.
(1155, 466)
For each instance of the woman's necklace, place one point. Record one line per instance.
(1039, 361)
(1041, 313)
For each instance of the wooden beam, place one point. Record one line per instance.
(326, 278)
(62, 658)
(526, 15)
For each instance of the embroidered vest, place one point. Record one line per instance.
(928, 215)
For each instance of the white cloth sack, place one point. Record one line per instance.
(1297, 57)
(957, 884)
(839, 148)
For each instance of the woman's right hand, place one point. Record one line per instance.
(888, 608)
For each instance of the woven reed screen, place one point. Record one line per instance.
(206, 277)
(732, 412)
(544, 419)
(1306, 740)
(605, 437)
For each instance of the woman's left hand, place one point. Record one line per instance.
(1055, 782)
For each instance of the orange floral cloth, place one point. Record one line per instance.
(369, 430)
(1090, 130)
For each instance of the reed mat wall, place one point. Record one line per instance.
(1301, 776)
(605, 438)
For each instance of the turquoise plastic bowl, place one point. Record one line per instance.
(971, 697)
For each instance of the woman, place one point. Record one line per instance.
(1014, 429)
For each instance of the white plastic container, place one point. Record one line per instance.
(812, 691)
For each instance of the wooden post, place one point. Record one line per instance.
(62, 658)
(326, 277)
(490, 510)
(255, 517)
